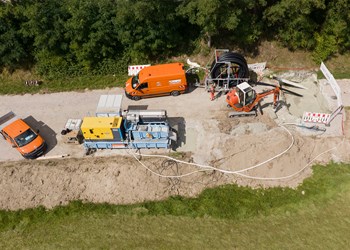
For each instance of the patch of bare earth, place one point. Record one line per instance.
(206, 136)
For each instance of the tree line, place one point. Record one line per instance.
(72, 37)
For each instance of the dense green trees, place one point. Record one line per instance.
(238, 20)
(70, 37)
(91, 32)
(44, 26)
(150, 29)
(335, 33)
(12, 44)
(295, 22)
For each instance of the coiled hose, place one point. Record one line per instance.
(239, 67)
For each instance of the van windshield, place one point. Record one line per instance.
(135, 81)
(25, 138)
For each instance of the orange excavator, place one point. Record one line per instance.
(245, 101)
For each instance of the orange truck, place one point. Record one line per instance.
(157, 80)
(21, 136)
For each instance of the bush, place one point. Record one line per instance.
(326, 45)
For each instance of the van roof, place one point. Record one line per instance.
(161, 70)
(16, 128)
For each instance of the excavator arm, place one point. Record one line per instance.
(275, 92)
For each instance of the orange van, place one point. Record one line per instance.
(21, 136)
(157, 80)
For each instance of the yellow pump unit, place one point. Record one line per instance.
(102, 128)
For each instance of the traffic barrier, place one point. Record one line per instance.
(316, 117)
(135, 69)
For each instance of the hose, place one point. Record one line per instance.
(204, 168)
(235, 59)
(211, 168)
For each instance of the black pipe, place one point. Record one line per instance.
(218, 67)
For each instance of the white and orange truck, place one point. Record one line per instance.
(157, 80)
(21, 136)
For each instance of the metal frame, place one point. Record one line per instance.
(223, 83)
(337, 111)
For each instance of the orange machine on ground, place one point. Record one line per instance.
(157, 80)
(245, 101)
(21, 136)
(244, 98)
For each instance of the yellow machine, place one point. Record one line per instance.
(101, 128)
(111, 128)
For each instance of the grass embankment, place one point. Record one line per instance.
(15, 83)
(277, 57)
(315, 215)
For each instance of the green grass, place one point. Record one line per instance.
(338, 66)
(222, 218)
(336, 74)
(15, 84)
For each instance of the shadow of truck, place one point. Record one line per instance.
(45, 131)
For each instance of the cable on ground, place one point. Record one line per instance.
(237, 172)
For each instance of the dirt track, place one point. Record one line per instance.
(207, 137)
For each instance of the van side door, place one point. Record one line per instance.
(143, 88)
(162, 86)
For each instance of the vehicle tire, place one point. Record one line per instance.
(175, 93)
(136, 98)
(3, 136)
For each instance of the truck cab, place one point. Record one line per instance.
(157, 80)
(21, 136)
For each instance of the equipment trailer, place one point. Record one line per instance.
(136, 129)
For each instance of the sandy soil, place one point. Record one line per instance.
(207, 136)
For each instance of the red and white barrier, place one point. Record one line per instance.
(135, 69)
(257, 67)
(316, 117)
